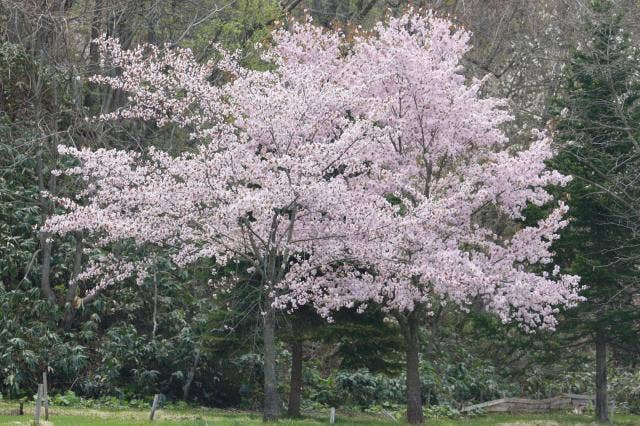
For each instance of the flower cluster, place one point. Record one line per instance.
(351, 172)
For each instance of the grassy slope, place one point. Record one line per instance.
(202, 417)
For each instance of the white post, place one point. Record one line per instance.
(612, 410)
(38, 405)
(332, 415)
(154, 406)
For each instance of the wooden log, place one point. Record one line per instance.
(154, 406)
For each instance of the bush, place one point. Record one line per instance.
(361, 389)
(439, 411)
(66, 399)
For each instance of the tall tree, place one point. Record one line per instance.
(45, 53)
(454, 182)
(598, 132)
(278, 180)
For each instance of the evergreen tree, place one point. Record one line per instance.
(598, 131)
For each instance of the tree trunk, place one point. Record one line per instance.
(295, 394)
(155, 305)
(93, 65)
(45, 284)
(72, 291)
(190, 376)
(45, 242)
(602, 403)
(414, 395)
(271, 403)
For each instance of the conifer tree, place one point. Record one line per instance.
(598, 131)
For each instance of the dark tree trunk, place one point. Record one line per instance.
(414, 395)
(602, 403)
(271, 403)
(295, 393)
(45, 242)
(94, 53)
(96, 29)
(190, 376)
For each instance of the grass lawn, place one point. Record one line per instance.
(201, 417)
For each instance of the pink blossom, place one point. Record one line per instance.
(293, 170)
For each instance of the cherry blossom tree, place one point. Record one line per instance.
(347, 172)
(459, 187)
(453, 170)
(277, 176)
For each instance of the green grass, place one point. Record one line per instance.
(63, 416)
